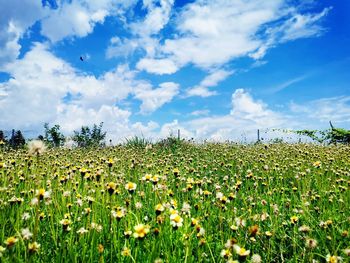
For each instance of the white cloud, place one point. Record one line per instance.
(213, 33)
(78, 18)
(209, 81)
(145, 34)
(15, 19)
(152, 99)
(200, 113)
(157, 66)
(40, 82)
(200, 91)
(335, 109)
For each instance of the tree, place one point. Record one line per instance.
(2, 137)
(53, 135)
(17, 140)
(90, 137)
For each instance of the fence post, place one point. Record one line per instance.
(178, 134)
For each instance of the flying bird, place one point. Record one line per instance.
(81, 58)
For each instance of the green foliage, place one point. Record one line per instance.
(137, 142)
(90, 137)
(53, 136)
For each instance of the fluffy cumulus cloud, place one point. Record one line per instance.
(212, 33)
(78, 18)
(17, 16)
(45, 88)
(152, 99)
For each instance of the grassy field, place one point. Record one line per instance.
(190, 203)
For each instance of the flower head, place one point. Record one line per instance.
(36, 147)
(141, 231)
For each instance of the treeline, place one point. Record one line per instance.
(53, 137)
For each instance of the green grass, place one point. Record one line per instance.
(262, 186)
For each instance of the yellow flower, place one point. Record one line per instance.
(33, 247)
(242, 252)
(126, 252)
(9, 242)
(131, 187)
(294, 219)
(176, 220)
(141, 231)
(333, 259)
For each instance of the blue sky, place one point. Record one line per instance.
(215, 69)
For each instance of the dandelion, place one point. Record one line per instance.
(186, 208)
(311, 243)
(176, 220)
(230, 243)
(256, 258)
(9, 242)
(26, 234)
(141, 230)
(33, 247)
(111, 187)
(36, 147)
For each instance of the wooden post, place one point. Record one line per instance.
(178, 134)
(258, 135)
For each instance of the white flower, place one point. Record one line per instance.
(26, 234)
(138, 205)
(82, 231)
(25, 216)
(36, 147)
(256, 258)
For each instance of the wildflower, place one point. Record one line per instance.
(33, 247)
(159, 209)
(127, 233)
(317, 164)
(36, 147)
(311, 243)
(194, 221)
(97, 227)
(176, 171)
(119, 214)
(240, 251)
(25, 216)
(111, 187)
(141, 231)
(333, 259)
(176, 220)
(9, 242)
(82, 231)
(138, 205)
(126, 252)
(294, 219)
(346, 252)
(131, 187)
(225, 253)
(256, 258)
(304, 229)
(65, 224)
(230, 243)
(186, 208)
(26, 234)
(100, 248)
(253, 230)
(146, 177)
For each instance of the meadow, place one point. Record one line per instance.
(189, 203)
